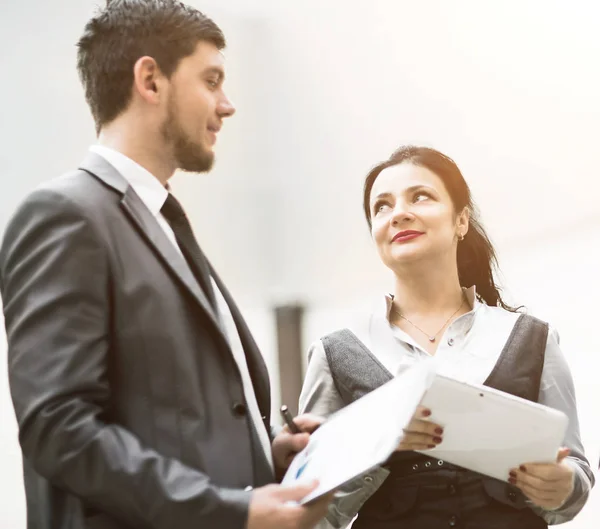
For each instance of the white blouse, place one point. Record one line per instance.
(468, 351)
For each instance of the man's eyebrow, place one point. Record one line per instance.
(215, 70)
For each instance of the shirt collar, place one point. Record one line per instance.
(152, 193)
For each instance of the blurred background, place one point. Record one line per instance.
(324, 90)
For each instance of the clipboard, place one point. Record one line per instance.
(489, 431)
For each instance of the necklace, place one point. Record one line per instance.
(430, 337)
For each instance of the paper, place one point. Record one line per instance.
(361, 435)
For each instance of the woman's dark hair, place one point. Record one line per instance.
(476, 257)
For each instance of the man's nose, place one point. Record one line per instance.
(225, 108)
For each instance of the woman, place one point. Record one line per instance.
(445, 303)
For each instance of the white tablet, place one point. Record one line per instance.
(489, 431)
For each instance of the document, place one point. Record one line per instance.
(362, 435)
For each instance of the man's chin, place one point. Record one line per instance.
(197, 164)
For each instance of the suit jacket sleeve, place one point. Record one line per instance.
(55, 282)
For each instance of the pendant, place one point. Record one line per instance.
(432, 339)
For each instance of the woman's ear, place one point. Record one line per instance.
(462, 222)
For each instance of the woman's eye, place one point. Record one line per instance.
(419, 197)
(378, 208)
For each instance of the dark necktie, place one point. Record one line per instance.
(177, 219)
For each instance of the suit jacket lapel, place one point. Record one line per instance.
(145, 222)
(256, 364)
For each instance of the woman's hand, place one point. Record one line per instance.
(547, 485)
(421, 434)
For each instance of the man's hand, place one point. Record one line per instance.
(286, 445)
(421, 434)
(547, 485)
(271, 507)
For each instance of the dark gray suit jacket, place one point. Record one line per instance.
(130, 406)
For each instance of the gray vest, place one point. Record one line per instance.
(356, 371)
(518, 371)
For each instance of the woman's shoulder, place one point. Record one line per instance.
(494, 314)
(500, 315)
(355, 321)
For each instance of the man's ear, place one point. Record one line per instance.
(147, 79)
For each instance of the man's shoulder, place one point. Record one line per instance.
(75, 191)
(73, 196)
(77, 185)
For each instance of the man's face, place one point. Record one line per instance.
(196, 108)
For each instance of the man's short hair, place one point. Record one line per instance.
(126, 30)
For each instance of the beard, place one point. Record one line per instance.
(190, 156)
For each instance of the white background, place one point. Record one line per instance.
(324, 90)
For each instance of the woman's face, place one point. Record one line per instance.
(413, 217)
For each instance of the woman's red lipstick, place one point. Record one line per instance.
(407, 235)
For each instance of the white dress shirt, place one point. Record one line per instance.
(153, 194)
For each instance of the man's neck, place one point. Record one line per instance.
(140, 149)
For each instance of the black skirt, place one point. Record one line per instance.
(428, 495)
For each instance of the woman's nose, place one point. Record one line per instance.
(401, 213)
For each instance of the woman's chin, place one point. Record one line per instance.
(405, 256)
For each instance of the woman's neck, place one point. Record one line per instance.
(427, 289)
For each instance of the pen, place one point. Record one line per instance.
(287, 417)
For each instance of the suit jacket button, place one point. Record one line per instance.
(239, 409)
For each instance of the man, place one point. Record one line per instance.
(141, 397)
